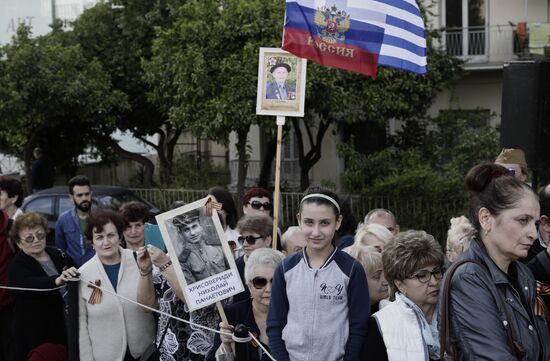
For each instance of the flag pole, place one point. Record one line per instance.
(280, 123)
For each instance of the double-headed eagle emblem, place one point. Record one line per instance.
(331, 24)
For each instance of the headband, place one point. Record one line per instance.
(324, 196)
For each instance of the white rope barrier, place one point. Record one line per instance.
(91, 284)
(32, 289)
(262, 346)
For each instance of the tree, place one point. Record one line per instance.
(209, 82)
(426, 162)
(120, 34)
(51, 94)
(337, 97)
(204, 68)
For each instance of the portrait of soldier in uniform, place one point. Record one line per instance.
(200, 253)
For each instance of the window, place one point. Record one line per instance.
(65, 203)
(43, 205)
(465, 23)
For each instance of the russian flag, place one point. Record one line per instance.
(357, 35)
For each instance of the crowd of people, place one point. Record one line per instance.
(334, 289)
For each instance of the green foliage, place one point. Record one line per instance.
(51, 94)
(190, 173)
(204, 68)
(427, 161)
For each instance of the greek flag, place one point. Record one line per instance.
(357, 35)
(404, 43)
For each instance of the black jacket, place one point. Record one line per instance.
(241, 312)
(477, 322)
(38, 316)
(540, 266)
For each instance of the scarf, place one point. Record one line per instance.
(430, 332)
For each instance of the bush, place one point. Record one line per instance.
(422, 172)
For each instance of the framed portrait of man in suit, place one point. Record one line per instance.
(200, 254)
(281, 83)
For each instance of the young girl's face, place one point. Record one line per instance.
(319, 223)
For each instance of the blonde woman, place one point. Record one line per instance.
(371, 259)
(458, 237)
(374, 235)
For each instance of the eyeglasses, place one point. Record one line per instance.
(249, 239)
(258, 205)
(38, 235)
(511, 171)
(425, 276)
(260, 282)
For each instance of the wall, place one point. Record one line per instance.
(477, 89)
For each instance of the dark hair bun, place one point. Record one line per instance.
(479, 177)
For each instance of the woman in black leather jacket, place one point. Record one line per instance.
(498, 293)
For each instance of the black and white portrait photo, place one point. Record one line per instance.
(197, 246)
(200, 253)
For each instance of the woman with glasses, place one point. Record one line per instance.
(255, 230)
(407, 329)
(257, 200)
(110, 328)
(251, 312)
(493, 302)
(38, 315)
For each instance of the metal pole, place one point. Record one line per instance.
(53, 12)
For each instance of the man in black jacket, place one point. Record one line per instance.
(541, 242)
(539, 254)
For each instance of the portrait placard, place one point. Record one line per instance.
(200, 254)
(281, 83)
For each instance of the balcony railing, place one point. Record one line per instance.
(491, 45)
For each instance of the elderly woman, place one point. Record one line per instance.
(407, 329)
(489, 299)
(458, 237)
(251, 312)
(371, 260)
(38, 316)
(111, 329)
(374, 235)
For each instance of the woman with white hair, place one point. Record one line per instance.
(252, 312)
(374, 235)
(458, 237)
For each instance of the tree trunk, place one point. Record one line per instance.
(309, 159)
(145, 162)
(165, 148)
(267, 162)
(243, 161)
